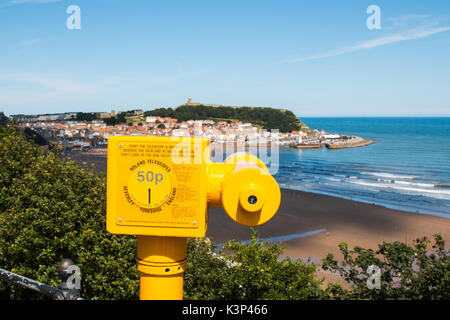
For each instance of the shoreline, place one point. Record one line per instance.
(99, 161)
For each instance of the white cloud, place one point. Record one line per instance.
(57, 85)
(21, 91)
(412, 34)
(30, 42)
(32, 1)
(408, 18)
(11, 3)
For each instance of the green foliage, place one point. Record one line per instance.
(86, 116)
(253, 271)
(267, 118)
(35, 137)
(3, 119)
(52, 209)
(119, 119)
(407, 272)
(207, 274)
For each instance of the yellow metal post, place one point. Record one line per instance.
(161, 261)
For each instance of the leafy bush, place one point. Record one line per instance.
(406, 272)
(52, 209)
(207, 273)
(251, 271)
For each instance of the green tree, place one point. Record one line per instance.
(3, 119)
(119, 119)
(52, 209)
(35, 137)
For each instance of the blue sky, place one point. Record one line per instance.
(317, 58)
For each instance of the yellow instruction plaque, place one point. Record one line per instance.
(156, 186)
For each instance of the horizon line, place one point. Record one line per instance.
(377, 116)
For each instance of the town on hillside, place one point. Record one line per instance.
(77, 131)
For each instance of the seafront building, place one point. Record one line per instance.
(96, 132)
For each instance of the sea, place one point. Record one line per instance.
(407, 168)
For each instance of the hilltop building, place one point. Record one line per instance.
(190, 103)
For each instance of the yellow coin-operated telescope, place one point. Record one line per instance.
(160, 188)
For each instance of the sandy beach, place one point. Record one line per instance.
(355, 223)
